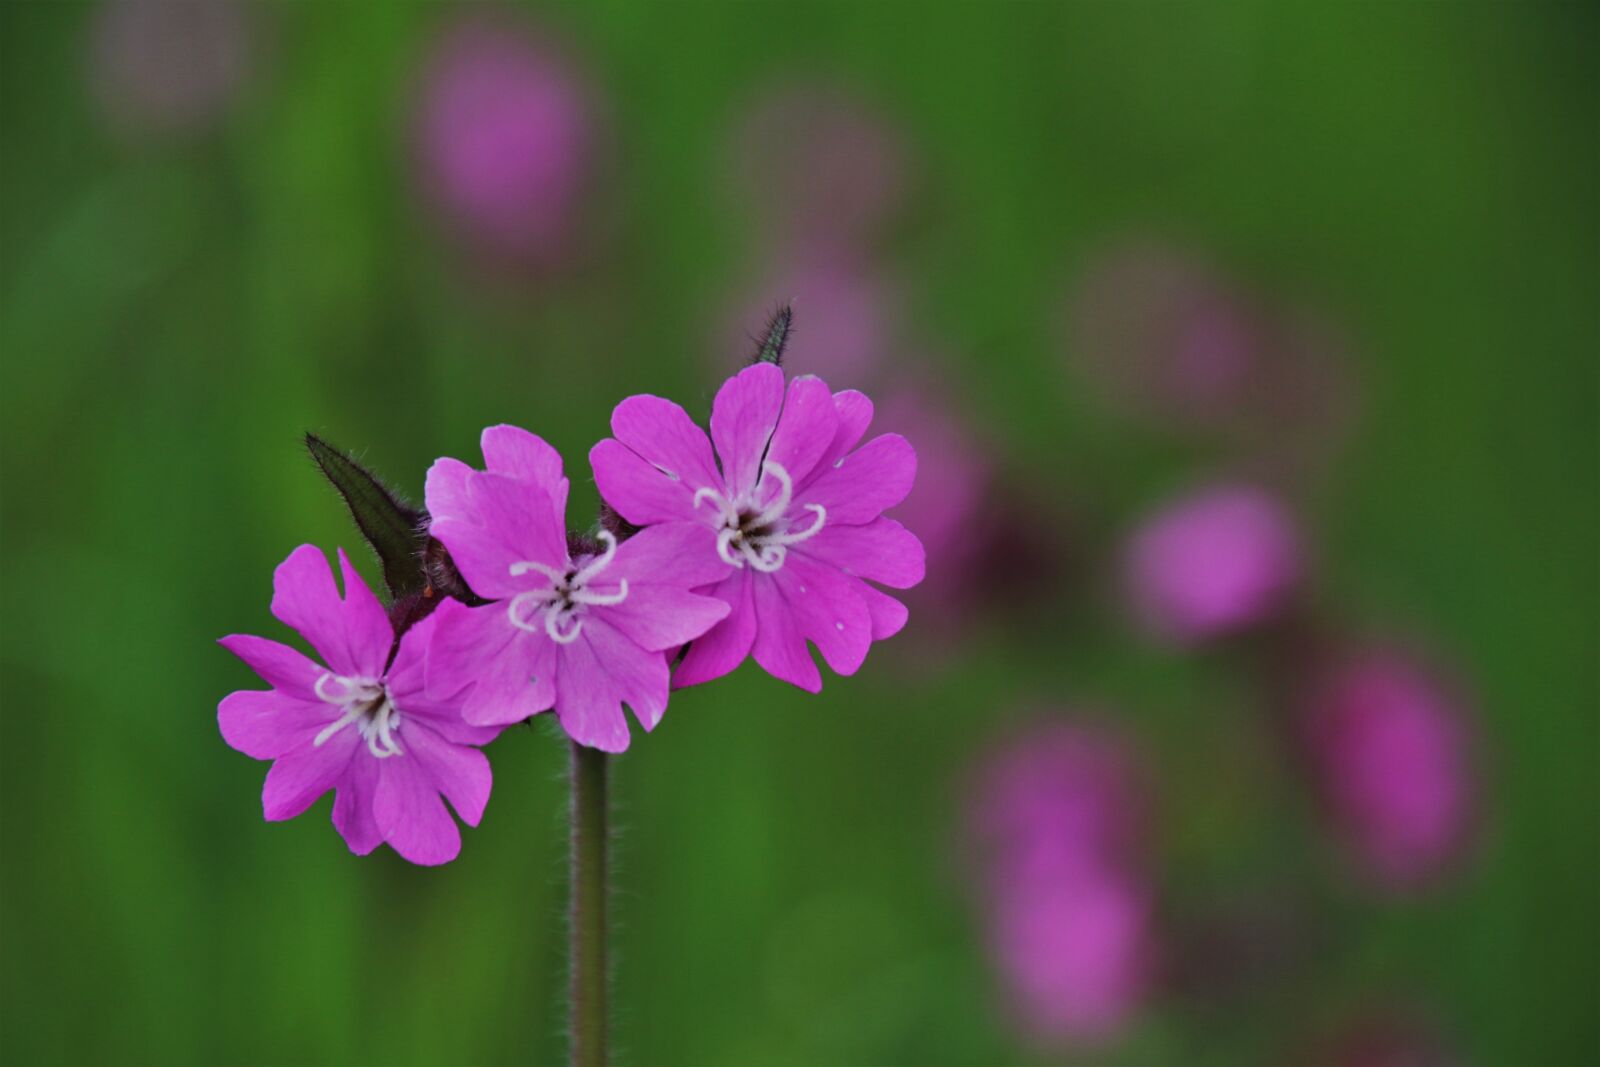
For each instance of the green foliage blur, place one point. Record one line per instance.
(176, 312)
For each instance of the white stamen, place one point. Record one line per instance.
(788, 538)
(600, 562)
(552, 619)
(749, 534)
(560, 601)
(589, 596)
(366, 705)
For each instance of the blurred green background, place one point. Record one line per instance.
(178, 310)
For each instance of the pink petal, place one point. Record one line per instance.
(725, 645)
(265, 725)
(511, 671)
(779, 647)
(301, 775)
(459, 772)
(806, 429)
(672, 553)
(826, 610)
(586, 702)
(515, 522)
(853, 414)
(659, 617)
(882, 551)
(286, 669)
(865, 483)
(446, 490)
(353, 633)
(516, 453)
(662, 434)
(352, 807)
(888, 614)
(407, 686)
(742, 418)
(411, 815)
(639, 678)
(640, 492)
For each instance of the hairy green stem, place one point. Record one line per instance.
(588, 925)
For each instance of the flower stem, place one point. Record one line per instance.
(588, 920)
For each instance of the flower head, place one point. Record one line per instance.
(573, 625)
(785, 518)
(1056, 828)
(361, 725)
(1212, 562)
(1391, 747)
(505, 136)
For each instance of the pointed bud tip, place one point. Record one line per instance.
(776, 336)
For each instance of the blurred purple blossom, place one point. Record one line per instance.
(821, 167)
(1166, 336)
(170, 66)
(1212, 562)
(844, 318)
(1057, 825)
(1390, 743)
(506, 134)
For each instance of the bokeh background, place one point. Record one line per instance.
(1244, 345)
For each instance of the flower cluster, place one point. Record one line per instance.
(747, 543)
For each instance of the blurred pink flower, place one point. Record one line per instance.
(844, 318)
(1212, 562)
(821, 167)
(1390, 743)
(170, 66)
(505, 132)
(1165, 335)
(1056, 827)
(945, 505)
(1075, 954)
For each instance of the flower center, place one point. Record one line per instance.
(558, 608)
(757, 534)
(366, 705)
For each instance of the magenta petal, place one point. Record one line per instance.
(407, 686)
(513, 451)
(303, 774)
(779, 647)
(305, 598)
(641, 679)
(888, 614)
(586, 701)
(411, 815)
(742, 418)
(726, 644)
(662, 434)
(366, 622)
(460, 772)
(286, 669)
(806, 429)
(640, 492)
(352, 807)
(512, 673)
(881, 551)
(862, 485)
(659, 617)
(446, 490)
(671, 553)
(266, 724)
(852, 415)
(515, 522)
(827, 611)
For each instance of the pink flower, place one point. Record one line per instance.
(505, 132)
(1212, 562)
(786, 519)
(1391, 747)
(1076, 955)
(580, 628)
(1057, 828)
(361, 725)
